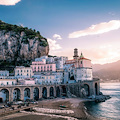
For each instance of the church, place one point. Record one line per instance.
(79, 71)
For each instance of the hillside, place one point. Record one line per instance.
(109, 71)
(20, 45)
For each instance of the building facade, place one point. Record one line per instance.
(22, 72)
(4, 74)
(4, 82)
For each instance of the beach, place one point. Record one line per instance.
(76, 105)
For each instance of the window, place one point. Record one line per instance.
(28, 70)
(81, 62)
(21, 70)
(18, 70)
(24, 71)
(12, 83)
(7, 83)
(27, 74)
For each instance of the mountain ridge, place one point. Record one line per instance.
(109, 71)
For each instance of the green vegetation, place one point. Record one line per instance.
(29, 33)
(5, 65)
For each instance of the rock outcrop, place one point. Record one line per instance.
(21, 46)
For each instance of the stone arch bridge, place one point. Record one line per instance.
(23, 92)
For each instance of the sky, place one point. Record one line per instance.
(92, 26)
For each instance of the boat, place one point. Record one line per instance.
(62, 106)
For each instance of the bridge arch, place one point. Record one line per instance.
(57, 91)
(51, 92)
(44, 92)
(16, 94)
(87, 89)
(36, 93)
(64, 91)
(26, 93)
(96, 89)
(4, 95)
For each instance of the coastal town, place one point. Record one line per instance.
(50, 77)
(59, 60)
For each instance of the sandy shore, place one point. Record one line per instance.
(74, 104)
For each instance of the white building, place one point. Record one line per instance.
(43, 58)
(59, 61)
(83, 69)
(29, 82)
(78, 69)
(58, 76)
(4, 82)
(54, 78)
(22, 72)
(46, 79)
(4, 74)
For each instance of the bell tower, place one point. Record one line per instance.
(75, 54)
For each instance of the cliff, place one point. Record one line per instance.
(20, 45)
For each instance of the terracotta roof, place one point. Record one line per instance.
(84, 58)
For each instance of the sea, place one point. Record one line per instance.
(110, 109)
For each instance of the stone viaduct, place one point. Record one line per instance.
(23, 92)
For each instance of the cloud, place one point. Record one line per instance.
(53, 45)
(56, 36)
(97, 29)
(103, 54)
(9, 2)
